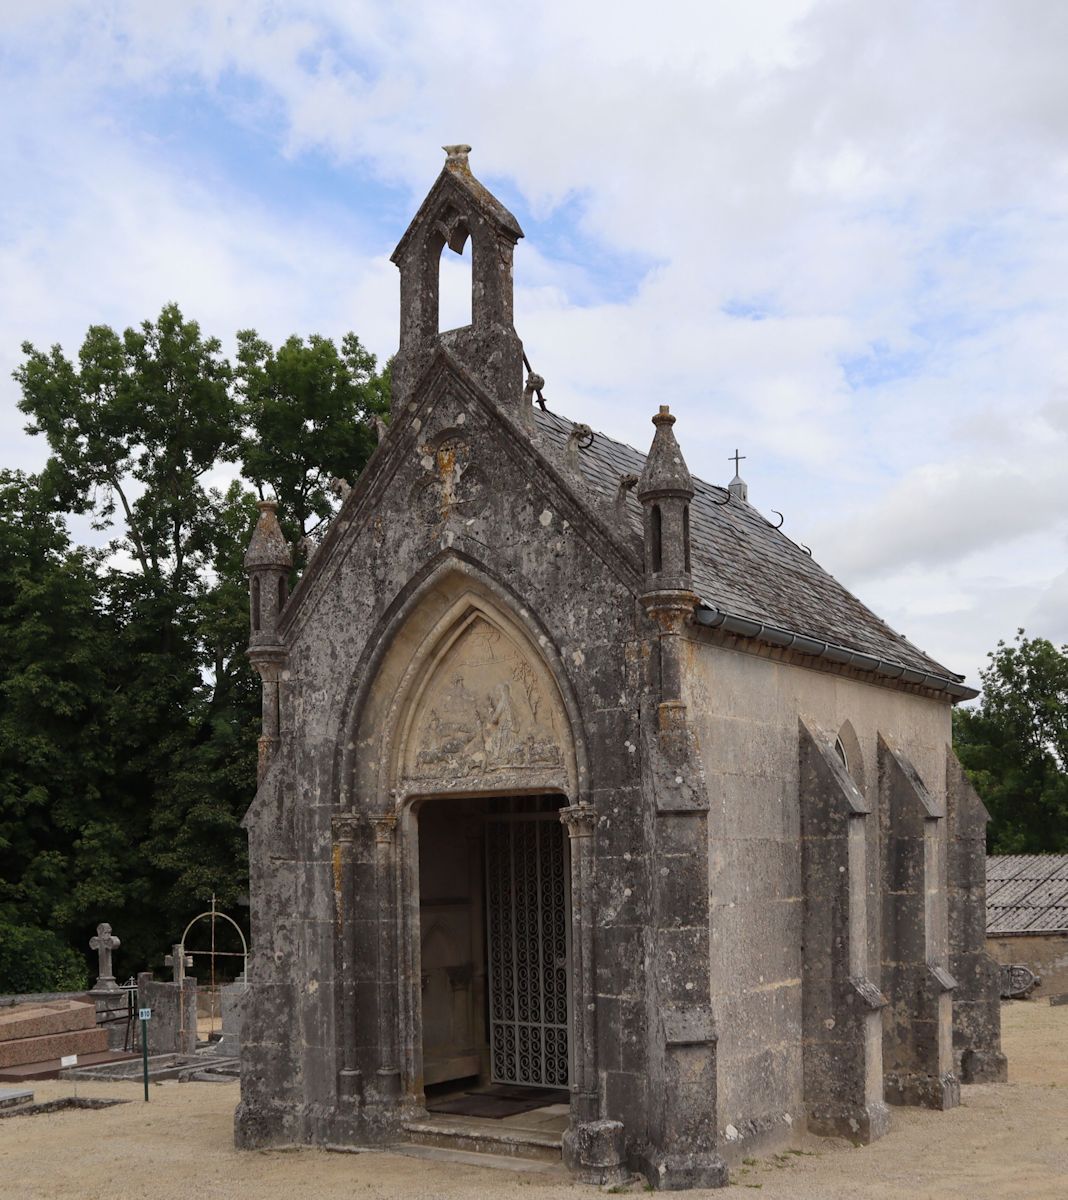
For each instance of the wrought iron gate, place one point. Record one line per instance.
(526, 907)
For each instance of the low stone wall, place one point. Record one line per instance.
(1044, 953)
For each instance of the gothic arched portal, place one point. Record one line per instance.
(465, 730)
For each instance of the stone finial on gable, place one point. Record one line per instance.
(665, 489)
(459, 207)
(457, 155)
(665, 472)
(268, 561)
(268, 546)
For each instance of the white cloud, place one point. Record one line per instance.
(885, 184)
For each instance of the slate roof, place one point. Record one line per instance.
(1027, 893)
(745, 567)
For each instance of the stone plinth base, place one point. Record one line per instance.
(679, 1172)
(594, 1151)
(922, 1091)
(983, 1066)
(861, 1124)
(261, 1124)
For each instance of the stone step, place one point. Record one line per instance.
(467, 1158)
(37, 1020)
(52, 1045)
(475, 1136)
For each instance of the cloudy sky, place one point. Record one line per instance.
(832, 234)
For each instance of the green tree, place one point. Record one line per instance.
(65, 829)
(307, 409)
(137, 423)
(129, 739)
(1014, 746)
(136, 428)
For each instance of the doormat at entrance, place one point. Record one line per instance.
(496, 1102)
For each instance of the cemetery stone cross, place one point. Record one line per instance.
(103, 943)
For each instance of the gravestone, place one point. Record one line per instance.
(233, 1016)
(173, 1026)
(110, 1000)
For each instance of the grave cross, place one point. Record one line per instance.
(103, 943)
(178, 962)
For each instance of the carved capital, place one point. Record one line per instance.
(670, 609)
(343, 826)
(384, 825)
(268, 659)
(580, 820)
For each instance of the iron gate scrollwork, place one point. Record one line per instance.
(526, 906)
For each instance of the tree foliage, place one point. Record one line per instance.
(1014, 746)
(306, 406)
(130, 715)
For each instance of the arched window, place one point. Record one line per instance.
(283, 592)
(255, 604)
(656, 536)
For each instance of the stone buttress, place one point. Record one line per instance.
(918, 1025)
(841, 1004)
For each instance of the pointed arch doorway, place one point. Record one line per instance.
(466, 757)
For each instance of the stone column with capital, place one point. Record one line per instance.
(593, 1148)
(388, 1075)
(344, 829)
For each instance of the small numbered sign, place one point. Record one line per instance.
(144, 1014)
(68, 1060)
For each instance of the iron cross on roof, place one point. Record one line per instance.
(736, 458)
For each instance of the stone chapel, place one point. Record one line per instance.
(581, 785)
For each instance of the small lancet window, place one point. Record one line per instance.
(686, 537)
(255, 604)
(656, 538)
(283, 592)
(840, 750)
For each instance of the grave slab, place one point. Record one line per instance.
(39, 1020)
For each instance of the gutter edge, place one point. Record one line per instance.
(710, 617)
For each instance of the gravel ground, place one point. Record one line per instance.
(1007, 1142)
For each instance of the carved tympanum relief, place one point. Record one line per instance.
(487, 710)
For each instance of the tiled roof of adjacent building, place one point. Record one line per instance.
(744, 567)
(1027, 893)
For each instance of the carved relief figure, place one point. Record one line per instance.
(483, 712)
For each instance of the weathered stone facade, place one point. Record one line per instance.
(762, 909)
